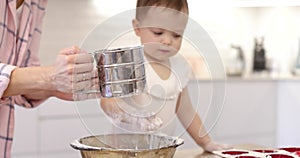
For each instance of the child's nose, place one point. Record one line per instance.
(166, 40)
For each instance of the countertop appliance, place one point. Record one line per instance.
(235, 63)
(259, 63)
(296, 69)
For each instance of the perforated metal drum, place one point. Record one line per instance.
(121, 71)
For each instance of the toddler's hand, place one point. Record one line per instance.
(214, 146)
(145, 124)
(149, 123)
(118, 116)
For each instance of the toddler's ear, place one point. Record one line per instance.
(136, 26)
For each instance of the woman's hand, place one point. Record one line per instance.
(72, 73)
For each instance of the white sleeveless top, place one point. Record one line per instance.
(165, 93)
(161, 95)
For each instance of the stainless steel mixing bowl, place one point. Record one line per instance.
(127, 146)
(121, 71)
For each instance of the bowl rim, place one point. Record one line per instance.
(79, 146)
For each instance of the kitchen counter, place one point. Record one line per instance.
(199, 153)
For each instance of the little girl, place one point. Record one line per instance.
(160, 25)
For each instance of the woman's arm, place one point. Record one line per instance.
(28, 80)
(72, 72)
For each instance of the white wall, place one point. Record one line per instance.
(66, 24)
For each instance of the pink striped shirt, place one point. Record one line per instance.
(18, 48)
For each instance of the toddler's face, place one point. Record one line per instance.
(161, 31)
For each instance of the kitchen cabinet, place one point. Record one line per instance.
(248, 114)
(26, 125)
(47, 131)
(288, 108)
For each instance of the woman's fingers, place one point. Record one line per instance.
(85, 76)
(82, 68)
(82, 58)
(70, 50)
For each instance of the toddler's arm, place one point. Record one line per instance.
(193, 124)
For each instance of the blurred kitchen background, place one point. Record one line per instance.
(258, 42)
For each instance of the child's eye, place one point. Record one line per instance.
(157, 32)
(177, 36)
